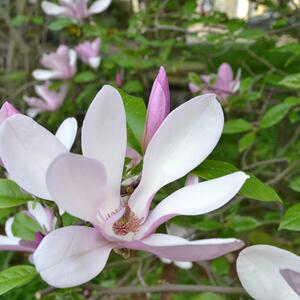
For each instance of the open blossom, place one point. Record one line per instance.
(88, 186)
(158, 106)
(60, 64)
(269, 273)
(75, 9)
(224, 85)
(45, 219)
(49, 100)
(89, 52)
(22, 145)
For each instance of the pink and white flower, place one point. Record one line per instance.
(42, 215)
(224, 85)
(49, 100)
(75, 9)
(60, 64)
(89, 52)
(27, 149)
(269, 273)
(7, 110)
(88, 187)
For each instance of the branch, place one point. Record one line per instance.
(165, 288)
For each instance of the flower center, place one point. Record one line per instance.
(129, 222)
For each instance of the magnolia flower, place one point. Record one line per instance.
(89, 52)
(75, 9)
(27, 149)
(40, 214)
(7, 110)
(158, 106)
(224, 85)
(88, 187)
(49, 100)
(61, 64)
(269, 273)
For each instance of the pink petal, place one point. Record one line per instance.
(134, 156)
(14, 244)
(206, 78)
(27, 149)
(194, 88)
(104, 138)
(158, 106)
(7, 110)
(224, 78)
(196, 199)
(78, 185)
(185, 138)
(292, 278)
(179, 249)
(71, 256)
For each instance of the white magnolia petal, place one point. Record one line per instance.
(72, 57)
(195, 199)
(43, 74)
(258, 268)
(71, 256)
(179, 249)
(27, 149)
(94, 62)
(99, 6)
(52, 9)
(78, 185)
(8, 227)
(185, 265)
(67, 131)
(104, 138)
(185, 138)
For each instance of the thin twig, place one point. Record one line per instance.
(266, 162)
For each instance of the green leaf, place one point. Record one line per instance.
(15, 276)
(19, 20)
(295, 184)
(241, 223)
(253, 187)
(208, 296)
(220, 266)
(274, 115)
(194, 78)
(135, 109)
(292, 101)
(236, 126)
(291, 219)
(11, 194)
(246, 141)
(86, 76)
(25, 227)
(133, 86)
(291, 81)
(60, 24)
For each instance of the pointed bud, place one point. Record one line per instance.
(7, 110)
(158, 106)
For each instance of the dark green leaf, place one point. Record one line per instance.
(241, 223)
(291, 219)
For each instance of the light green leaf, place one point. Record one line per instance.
(220, 266)
(253, 187)
(236, 126)
(135, 115)
(295, 184)
(241, 223)
(25, 227)
(292, 101)
(11, 194)
(86, 76)
(274, 115)
(60, 24)
(246, 141)
(291, 219)
(15, 276)
(291, 81)
(133, 86)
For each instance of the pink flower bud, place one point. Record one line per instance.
(89, 52)
(119, 79)
(158, 106)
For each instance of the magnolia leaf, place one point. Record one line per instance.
(246, 141)
(274, 115)
(236, 126)
(11, 194)
(135, 115)
(291, 81)
(60, 24)
(86, 76)
(241, 223)
(291, 219)
(295, 184)
(15, 276)
(253, 187)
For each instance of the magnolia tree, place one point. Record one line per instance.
(192, 190)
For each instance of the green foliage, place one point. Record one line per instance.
(11, 194)
(274, 115)
(15, 277)
(291, 81)
(25, 227)
(236, 126)
(291, 219)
